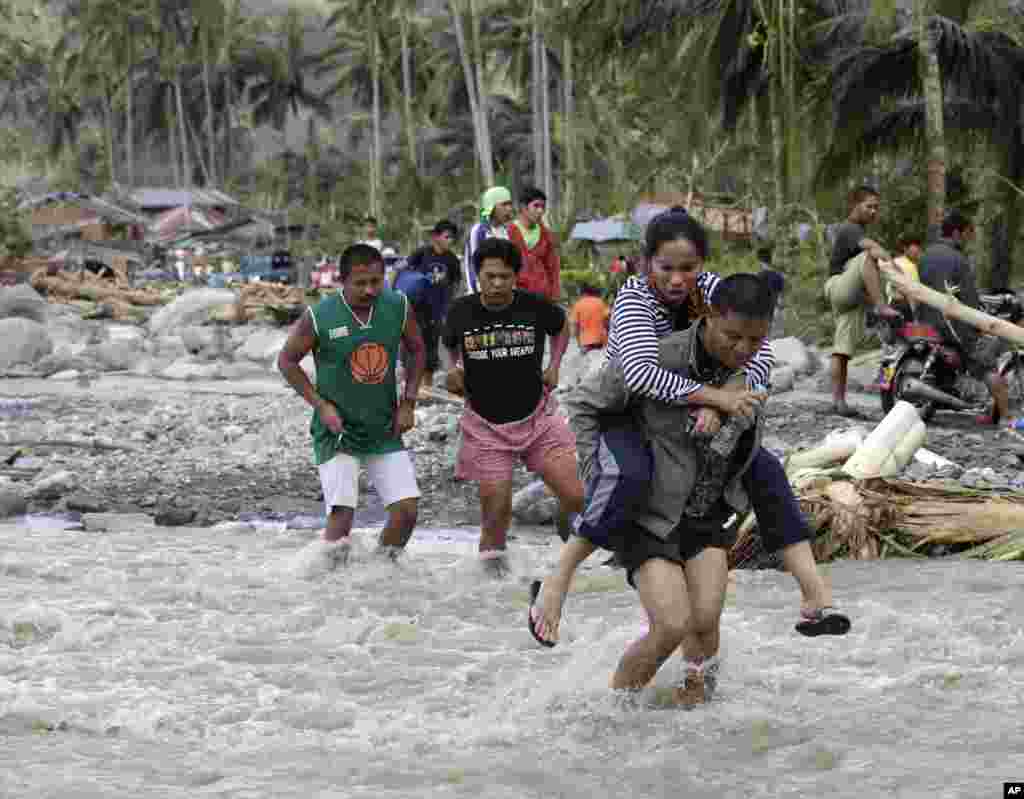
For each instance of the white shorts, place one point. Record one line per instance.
(392, 475)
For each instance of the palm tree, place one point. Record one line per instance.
(886, 96)
(356, 59)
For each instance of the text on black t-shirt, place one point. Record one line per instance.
(503, 352)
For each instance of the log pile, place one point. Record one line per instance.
(97, 296)
(115, 298)
(857, 509)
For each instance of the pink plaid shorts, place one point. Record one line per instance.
(489, 452)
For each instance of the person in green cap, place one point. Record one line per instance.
(496, 212)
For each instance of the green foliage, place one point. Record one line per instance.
(806, 314)
(15, 241)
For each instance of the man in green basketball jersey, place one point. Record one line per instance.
(354, 335)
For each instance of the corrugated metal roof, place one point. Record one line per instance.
(175, 198)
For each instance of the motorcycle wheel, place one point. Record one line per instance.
(1011, 367)
(909, 368)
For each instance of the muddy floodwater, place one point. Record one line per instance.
(229, 662)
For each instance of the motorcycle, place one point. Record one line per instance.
(929, 373)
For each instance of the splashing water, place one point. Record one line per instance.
(236, 661)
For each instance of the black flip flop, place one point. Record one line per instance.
(825, 621)
(535, 587)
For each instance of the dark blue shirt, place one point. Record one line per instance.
(444, 273)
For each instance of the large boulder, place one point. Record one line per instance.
(192, 306)
(12, 503)
(792, 352)
(196, 338)
(117, 354)
(263, 345)
(534, 504)
(22, 301)
(783, 379)
(63, 359)
(24, 341)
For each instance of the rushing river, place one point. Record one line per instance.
(230, 663)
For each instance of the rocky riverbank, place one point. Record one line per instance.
(192, 425)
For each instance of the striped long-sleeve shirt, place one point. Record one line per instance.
(639, 319)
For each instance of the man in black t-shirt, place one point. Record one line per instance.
(496, 340)
(853, 285)
(436, 262)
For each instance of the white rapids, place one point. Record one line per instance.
(232, 662)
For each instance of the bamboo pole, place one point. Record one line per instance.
(950, 306)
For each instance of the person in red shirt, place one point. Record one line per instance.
(541, 271)
(589, 319)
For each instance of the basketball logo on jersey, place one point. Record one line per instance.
(369, 363)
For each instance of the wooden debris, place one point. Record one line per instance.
(87, 286)
(856, 513)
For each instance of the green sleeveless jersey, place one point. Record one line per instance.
(355, 370)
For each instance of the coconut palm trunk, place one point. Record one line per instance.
(108, 124)
(935, 139)
(211, 138)
(479, 132)
(172, 138)
(570, 173)
(545, 110)
(482, 103)
(129, 122)
(375, 165)
(186, 158)
(535, 102)
(407, 90)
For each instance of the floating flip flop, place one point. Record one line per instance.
(533, 617)
(822, 621)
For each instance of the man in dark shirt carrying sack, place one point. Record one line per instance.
(429, 279)
(496, 340)
(853, 285)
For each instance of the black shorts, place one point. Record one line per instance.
(689, 538)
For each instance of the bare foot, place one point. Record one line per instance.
(552, 598)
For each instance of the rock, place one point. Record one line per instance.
(117, 354)
(193, 305)
(24, 341)
(189, 370)
(918, 471)
(23, 302)
(985, 477)
(53, 486)
(534, 504)
(85, 503)
(61, 360)
(783, 379)
(12, 503)
(792, 352)
(242, 370)
(167, 346)
(262, 346)
(116, 522)
(196, 338)
(862, 373)
(174, 517)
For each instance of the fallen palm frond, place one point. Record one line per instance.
(1007, 547)
(864, 519)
